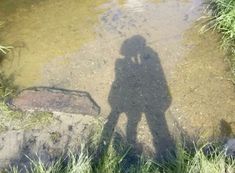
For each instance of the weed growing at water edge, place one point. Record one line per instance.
(7, 86)
(4, 49)
(184, 161)
(222, 18)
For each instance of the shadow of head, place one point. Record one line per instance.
(133, 47)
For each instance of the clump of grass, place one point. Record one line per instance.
(7, 86)
(222, 18)
(4, 49)
(109, 162)
(184, 161)
(22, 120)
(74, 164)
(197, 161)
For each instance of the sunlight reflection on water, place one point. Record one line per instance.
(135, 5)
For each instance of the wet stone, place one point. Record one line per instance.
(54, 100)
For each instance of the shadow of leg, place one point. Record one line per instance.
(107, 133)
(131, 129)
(162, 140)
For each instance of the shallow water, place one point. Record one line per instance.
(141, 55)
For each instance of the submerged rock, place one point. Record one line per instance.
(54, 100)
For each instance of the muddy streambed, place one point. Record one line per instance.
(143, 61)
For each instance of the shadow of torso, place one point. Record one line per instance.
(139, 84)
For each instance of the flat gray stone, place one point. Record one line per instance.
(54, 100)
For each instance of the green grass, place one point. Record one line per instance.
(184, 161)
(4, 49)
(7, 86)
(222, 18)
(18, 120)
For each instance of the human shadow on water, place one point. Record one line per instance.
(140, 88)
